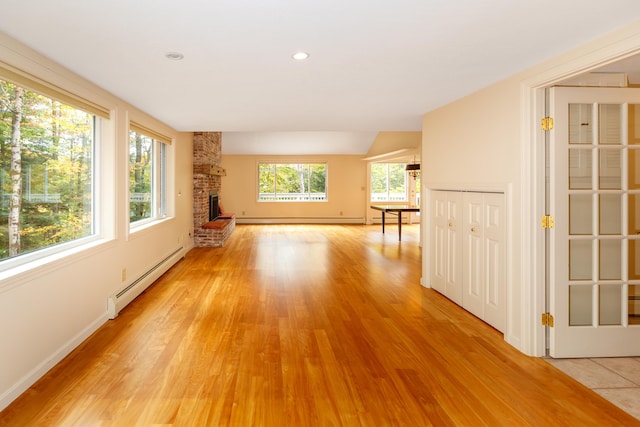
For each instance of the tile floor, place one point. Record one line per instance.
(615, 379)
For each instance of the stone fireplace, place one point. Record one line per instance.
(207, 182)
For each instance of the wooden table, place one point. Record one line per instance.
(395, 210)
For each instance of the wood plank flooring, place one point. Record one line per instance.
(298, 325)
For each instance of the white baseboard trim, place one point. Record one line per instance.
(38, 372)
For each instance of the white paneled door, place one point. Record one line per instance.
(594, 258)
(468, 252)
(484, 257)
(446, 259)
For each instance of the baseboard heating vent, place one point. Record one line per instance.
(299, 220)
(392, 220)
(118, 300)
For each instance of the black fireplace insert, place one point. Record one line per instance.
(214, 210)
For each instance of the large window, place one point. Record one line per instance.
(292, 182)
(388, 182)
(147, 178)
(46, 171)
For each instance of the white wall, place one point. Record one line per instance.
(48, 309)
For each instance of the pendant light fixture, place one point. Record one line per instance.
(413, 168)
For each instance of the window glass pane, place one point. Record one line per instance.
(289, 181)
(634, 124)
(610, 169)
(610, 214)
(147, 178)
(141, 156)
(580, 124)
(610, 260)
(580, 260)
(397, 182)
(267, 181)
(318, 181)
(580, 305)
(634, 261)
(379, 189)
(580, 169)
(634, 304)
(162, 184)
(388, 182)
(292, 182)
(580, 214)
(634, 214)
(610, 124)
(633, 169)
(610, 304)
(49, 146)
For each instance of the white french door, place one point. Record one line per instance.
(594, 259)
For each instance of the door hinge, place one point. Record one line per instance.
(547, 221)
(547, 320)
(547, 123)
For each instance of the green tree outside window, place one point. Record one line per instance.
(292, 182)
(388, 182)
(46, 172)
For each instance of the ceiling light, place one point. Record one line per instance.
(300, 56)
(174, 56)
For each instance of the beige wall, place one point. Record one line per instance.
(49, 306)
(464, 147)
(346, 190)
(491, 140)
(473, 142)
(392, 144)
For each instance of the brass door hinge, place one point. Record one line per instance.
(547, 221)
(546, 123)
(547, 320)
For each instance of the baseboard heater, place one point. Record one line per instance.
(392, 219)
(299, 220)
(124, 296)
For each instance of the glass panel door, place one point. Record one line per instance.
(595, 199)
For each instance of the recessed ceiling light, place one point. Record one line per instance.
(174, 56)
(300, 56)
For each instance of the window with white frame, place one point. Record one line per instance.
(388, 182)
(147, 176)
(47, 154)
(292, 182)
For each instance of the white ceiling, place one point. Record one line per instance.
(375, 65)
(297, 142)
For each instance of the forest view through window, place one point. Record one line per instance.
(147, 178)
(292, 182)
(388, 182)
(46, 171)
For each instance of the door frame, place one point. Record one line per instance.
(610, 49)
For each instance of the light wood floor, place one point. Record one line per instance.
(303, 326)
